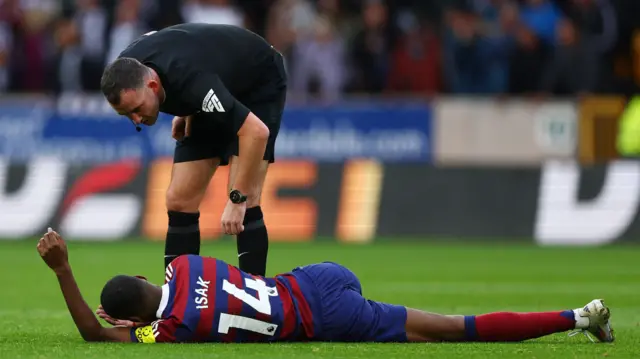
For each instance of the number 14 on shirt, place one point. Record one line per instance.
(261, 304)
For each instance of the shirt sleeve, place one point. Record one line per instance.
(206, 92)
(160, 331)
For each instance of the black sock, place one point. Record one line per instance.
(253, 243)
(183, 235)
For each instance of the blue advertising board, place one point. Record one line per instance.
(84, 129)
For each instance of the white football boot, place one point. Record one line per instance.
(594, 318)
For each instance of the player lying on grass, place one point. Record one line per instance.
(206, 300)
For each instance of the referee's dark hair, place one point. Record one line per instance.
(124, 73)
(123, 297)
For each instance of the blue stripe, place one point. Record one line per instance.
(172, 294)
(470, 330)
(191, 314)
(222, 302)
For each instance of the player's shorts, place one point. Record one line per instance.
(347, 316)
(211, 139)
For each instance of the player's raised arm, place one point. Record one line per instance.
(53, 251)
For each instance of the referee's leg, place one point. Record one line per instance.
(253, 242)
(189, 182)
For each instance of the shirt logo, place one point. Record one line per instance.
(211, 103)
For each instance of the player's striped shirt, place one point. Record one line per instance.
(205, 299)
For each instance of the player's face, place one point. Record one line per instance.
(142, 105)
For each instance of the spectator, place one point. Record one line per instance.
(92, 22)
(67, 70)
(319, 59)
(475, 63)
(5, 53)
(29, 55)
(212, 12)
(541, 16)
(288, 19)
(127, 27)
(573, 68)
(596, 21)
(416, 59)
(529, 57)
(371, 48)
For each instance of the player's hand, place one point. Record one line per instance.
(53, 251)
(181, 127)
(115, 322)
(233, 216)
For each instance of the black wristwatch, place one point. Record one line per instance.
(237, 197)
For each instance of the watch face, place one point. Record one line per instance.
(235, 196)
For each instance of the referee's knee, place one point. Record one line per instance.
(177, 202)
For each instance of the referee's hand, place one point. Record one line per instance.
(181, 127)
(232, 217)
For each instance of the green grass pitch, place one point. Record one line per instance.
(460, 278)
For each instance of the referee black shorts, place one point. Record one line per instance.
(209, 139)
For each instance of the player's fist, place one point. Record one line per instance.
(181, 127)
(53, 251)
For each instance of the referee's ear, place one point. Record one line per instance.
(254, 127)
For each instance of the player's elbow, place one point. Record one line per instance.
(254, 127)
(92, 337)
(95, 336)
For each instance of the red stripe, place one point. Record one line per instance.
(303, 306)
(288, 311)
(234, 306)
(203, 331)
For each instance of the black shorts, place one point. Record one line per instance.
(211, 139)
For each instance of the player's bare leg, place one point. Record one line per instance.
(508, 326)
(253, 242)
(189, 182)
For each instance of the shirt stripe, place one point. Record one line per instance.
(205, 323)
(234, 306)
(303, 307)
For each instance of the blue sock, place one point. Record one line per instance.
(568, 314)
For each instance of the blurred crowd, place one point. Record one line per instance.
(337, 47)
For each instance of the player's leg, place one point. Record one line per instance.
(196, 159)
(507, 326)
(189, 181)
(253, 242)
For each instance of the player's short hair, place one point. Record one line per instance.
(123, 297)
(124, 73)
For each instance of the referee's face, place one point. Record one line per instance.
(141, 105)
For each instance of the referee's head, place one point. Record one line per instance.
(133, 90)
(123, 74)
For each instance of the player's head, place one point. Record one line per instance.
(130, 298)
(133, 90)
